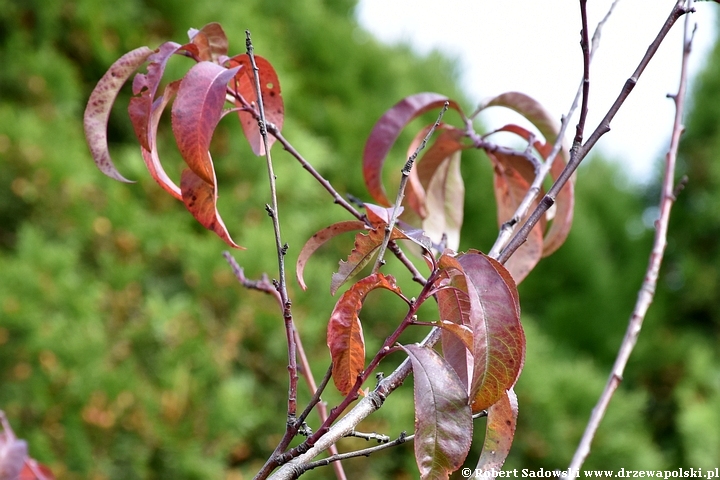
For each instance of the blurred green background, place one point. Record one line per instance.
(128, 350)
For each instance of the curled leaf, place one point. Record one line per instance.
(386, 131)
(197, 111)
(443, 421)
(317, 240)
(499, 434)
(366, 245)
(244, 85)
(211, 42)
(344, 333)
(101, 100)
(200, 198)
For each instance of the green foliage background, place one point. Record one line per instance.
(127, 349)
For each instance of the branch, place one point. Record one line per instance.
(508, 228)
(401, 190)
(647, 291)
(579, 154)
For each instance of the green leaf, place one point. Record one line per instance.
(443, 420)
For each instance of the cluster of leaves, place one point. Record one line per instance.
(483, 344)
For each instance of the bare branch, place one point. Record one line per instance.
(647, 291)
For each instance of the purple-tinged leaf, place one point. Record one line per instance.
(344, 333)
(200, 198)
(211, 41)
(386, 131)
(443, 420)
(499, 433)
(365, 247)
(244, 85)
(152, 161)
(499, 341)
(319, 239)
(100, 103)
(145, 88)
(380, 216)
(197, 111)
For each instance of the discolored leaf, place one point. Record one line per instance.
(35, 471)
(549, 128)
(200, 198)
(443, 420)
(145, 88)
(386, 131)
(445, 200)
(365, 248)
(499, 341)
(317, 240)
(211, 41)
(244, 85)
(197, 111)
(454, 309)
(344, 333)
(499, 433)
(511, 187)
(100, 103)
(152, 161)
(380, 216)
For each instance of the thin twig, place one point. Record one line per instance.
(508, 228)
(647, 291)
(405, 172)
(578, 155)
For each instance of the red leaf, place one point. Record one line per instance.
(511, 187)
(454, 309)
(499, 348)
(344, 333)
(200, 198)
(443, 421)
(32, 470)
(365, 248)
(499, 433)
(197, 111)
(244, 85)
(100, 103)
(386, 131)
(152, 161)
(211, 42)
(145, 87)
(380, 216)
(548, 127)
(317, 240)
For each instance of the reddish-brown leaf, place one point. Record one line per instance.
(454, 309)
(443, 420)
(499, 341)
(98, 108)
(510, 187)
(200, 198)
(152, 161)
(317, 240)
(211, 41)
(35, 471)
(380, 216)
(145, 87)
(386, 131)
(344, 333)
(365, 248)
(499, 434)
(197, 111)
(549, 128)
(244, 84)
